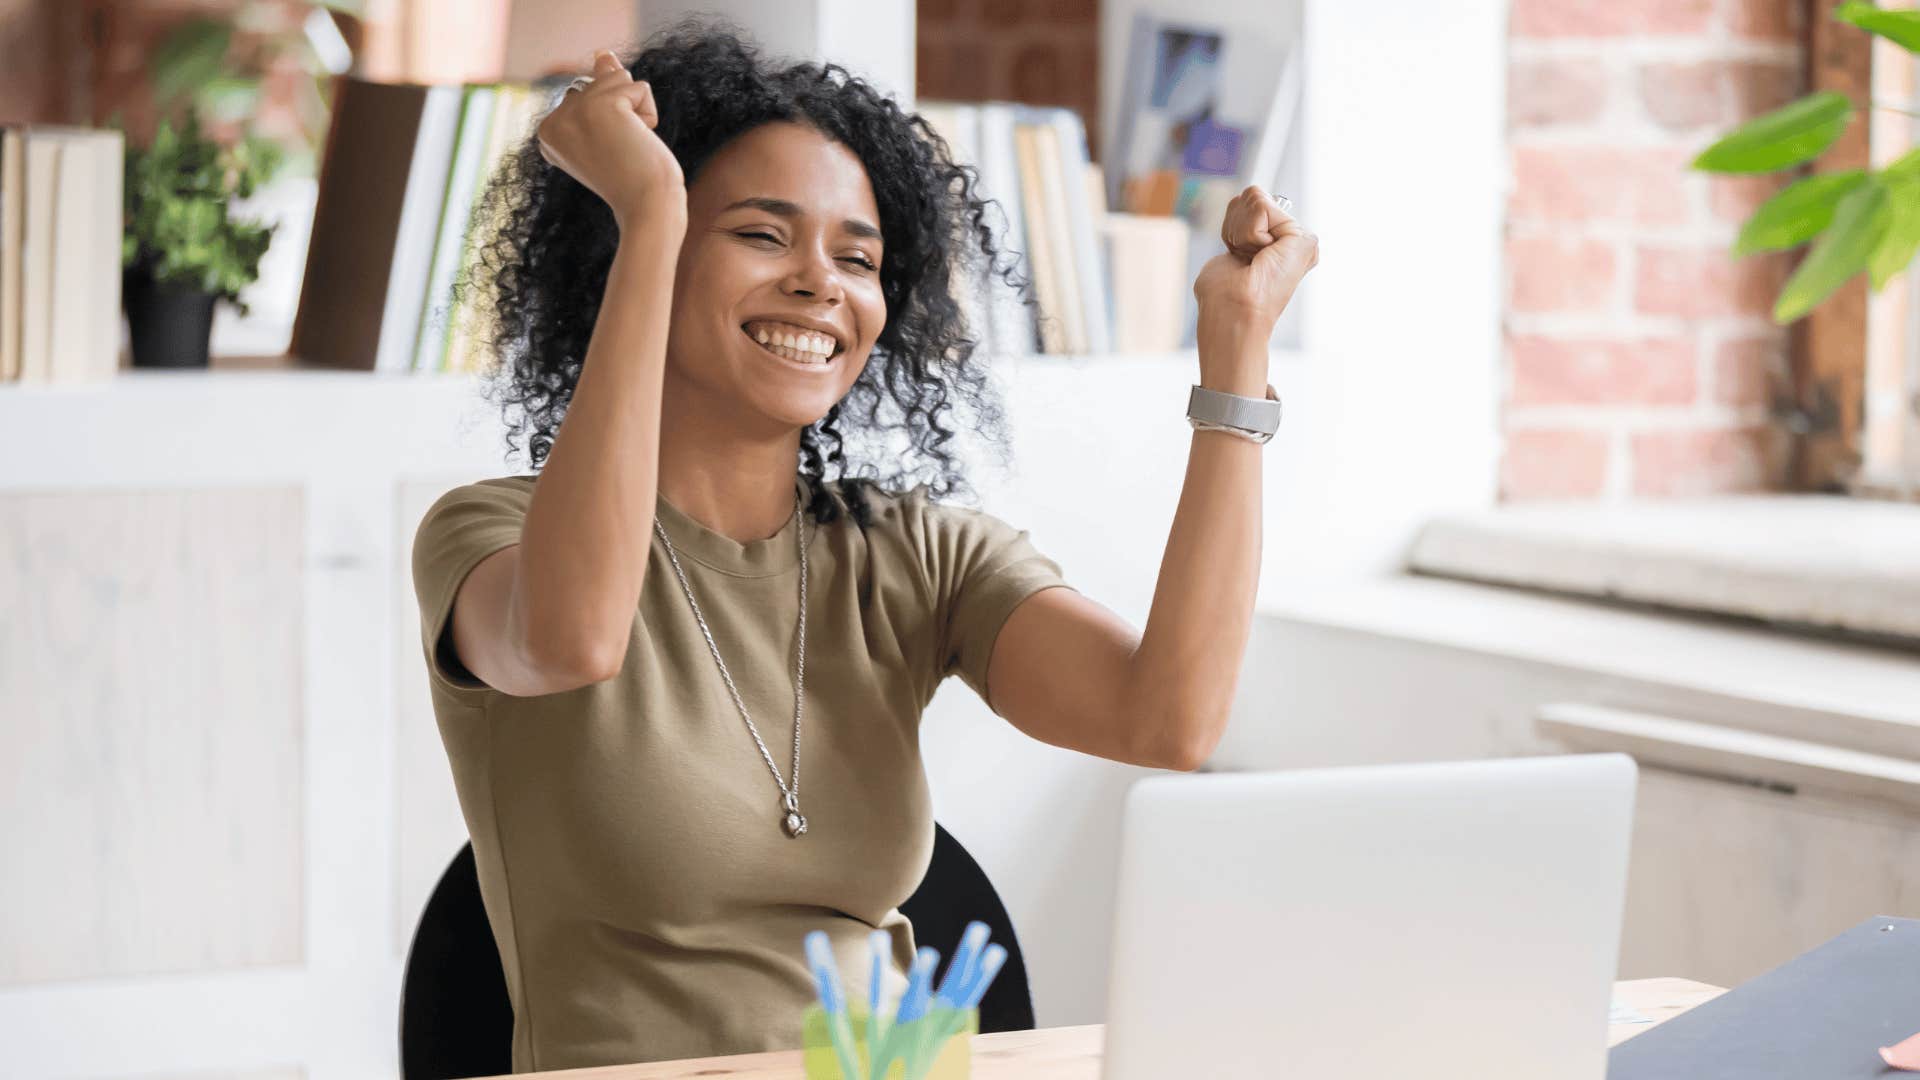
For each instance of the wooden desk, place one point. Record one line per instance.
(1073, 1053)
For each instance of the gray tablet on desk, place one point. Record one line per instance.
(1823, 1014)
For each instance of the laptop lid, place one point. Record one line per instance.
(1432, 920)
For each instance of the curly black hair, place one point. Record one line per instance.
(544, 243)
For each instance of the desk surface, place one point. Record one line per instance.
(1073, 1053)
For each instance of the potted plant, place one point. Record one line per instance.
(182, 251)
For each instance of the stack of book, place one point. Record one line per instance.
(60, 223)
(1033, 164)
(1205, 110)
(1103, 282)
(403, 172)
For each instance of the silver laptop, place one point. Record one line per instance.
(1436, 920)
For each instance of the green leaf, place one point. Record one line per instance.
(1900, 27)
(1903, 169)
(189, 57)
(1798, 213)
(1842, 251)
(1781, 139)
(1902, 239)
(229, 97)
(179, 194)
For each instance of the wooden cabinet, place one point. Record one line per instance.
(220, 780)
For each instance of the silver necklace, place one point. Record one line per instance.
(791, 820)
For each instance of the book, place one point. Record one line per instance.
(1083, 228)
(376, 215)
(1096, 191)
(419, 224)
(476, 115)
(1044, 210)
(70, 342)
(1145, 254)
(1015, 325)
(515, 108)
(13, 209)
(60, 227)
(110, 164)
(1059, 232)
(36, 262)
(1039, 239)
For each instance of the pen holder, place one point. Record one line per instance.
(937, 1046)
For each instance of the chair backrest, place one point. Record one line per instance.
(456, 1019)
(954, 892)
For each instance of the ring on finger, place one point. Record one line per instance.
(580, 83)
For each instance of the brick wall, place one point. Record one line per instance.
(1042, 52)
(1640, 357)
(81, 61)
(30, 32)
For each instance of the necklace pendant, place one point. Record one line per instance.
(793, 822)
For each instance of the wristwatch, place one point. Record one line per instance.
(1253, 419)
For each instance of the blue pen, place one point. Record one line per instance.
(965, 956)
(880, 943)
(913, 1003)
(938, 1016)
(827, 980)
(966, 993)
(919, 984)
(990, 962)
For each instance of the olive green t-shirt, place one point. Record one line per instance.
(646, 902)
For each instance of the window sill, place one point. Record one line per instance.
(1804, 562)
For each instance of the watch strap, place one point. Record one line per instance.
(1233, 410)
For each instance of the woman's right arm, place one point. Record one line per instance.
(554, 612)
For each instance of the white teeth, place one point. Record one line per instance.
(799, 355)
(806, 342)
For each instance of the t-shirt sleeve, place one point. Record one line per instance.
(979, 568)
(462, 527)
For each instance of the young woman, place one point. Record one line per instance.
(704, 272)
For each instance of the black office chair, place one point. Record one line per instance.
(457, 1021)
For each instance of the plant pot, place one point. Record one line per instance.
(171, 325)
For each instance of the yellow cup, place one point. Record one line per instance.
(938, 1046)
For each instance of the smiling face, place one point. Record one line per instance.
(777, 298)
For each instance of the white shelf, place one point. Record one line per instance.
(153, 428)
(249, 420)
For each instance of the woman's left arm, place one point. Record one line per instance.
(1069, 671)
